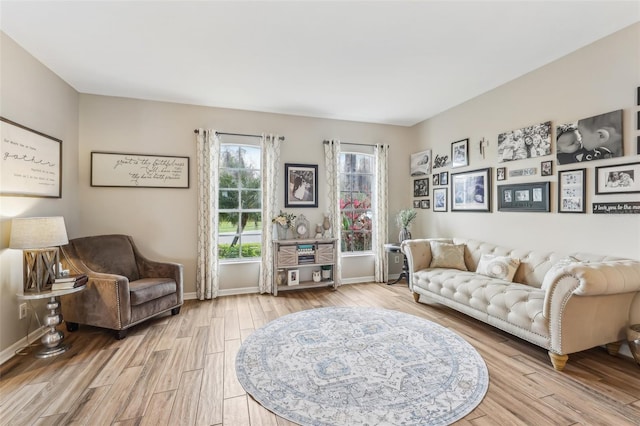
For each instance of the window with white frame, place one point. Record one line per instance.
(240, 198)
(357, 182)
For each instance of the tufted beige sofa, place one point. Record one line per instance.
(564, 309)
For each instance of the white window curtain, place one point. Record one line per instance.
(270, 177)
(380, 214)
(208, 163)
(332, 165)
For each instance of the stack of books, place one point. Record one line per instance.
(70, 281)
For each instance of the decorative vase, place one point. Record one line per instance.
(281, 277)
(326, 272)
(633, 338)
(326, 225)
(404, 234)
(282, 231)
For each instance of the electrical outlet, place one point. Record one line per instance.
(22, 311)
(396, 258)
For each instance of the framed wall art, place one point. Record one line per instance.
(546, 168)
(421, 187)
(501, 173)
(436, 179)
(421, 163)
(460, 153)
(471, 191)
(571, 191)
(618, 179)
(592, 138)
(440, 200)
(444, 178)
(528, 142)
(524, 197)
(301, 181)
(31, 162)
(293, 277)
(416, 204)
(113, 169)
(425, 204)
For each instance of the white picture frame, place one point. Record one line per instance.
(293, 277)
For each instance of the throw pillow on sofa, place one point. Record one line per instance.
(502, 267)
(445, 255)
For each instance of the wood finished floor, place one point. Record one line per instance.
(180, 370)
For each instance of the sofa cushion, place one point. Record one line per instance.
(450, 256)
(147, 289)
(503, 267)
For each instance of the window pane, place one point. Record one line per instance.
(228, 199)
(228, 179)
(356, 185)
(250, 179)
(229, 156)
(252, 223)
(251, 200)
(250, 157)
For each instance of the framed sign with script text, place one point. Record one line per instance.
(31, 162)
(139, 170)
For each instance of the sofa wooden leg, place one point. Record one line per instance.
(416, 296)
(558, 361)
(614, 348)
(71, 326)
(121, 334)
(175, 311)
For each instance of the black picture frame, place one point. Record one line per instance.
(460, 153)
(31, 162)
(524, 197)
(416, 204)
(618, 179)
(501, 173)
(301, 183)
(440, 200)
(444, 178)
(436, 179)
(471, 191)
(546, 168)
(421, 187)
(425, 204)
(572, 191)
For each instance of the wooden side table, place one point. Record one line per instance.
(395, 248)
(52, 339)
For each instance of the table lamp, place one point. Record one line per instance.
(39, 238)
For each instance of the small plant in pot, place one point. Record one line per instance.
(404, 219)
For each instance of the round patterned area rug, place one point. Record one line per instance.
(361, 366)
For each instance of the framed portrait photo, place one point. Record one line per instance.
(460, 153)
(440, 200)
(471, 191)
(501, 173)
(293, 277)
(546, 168)
(571, 191)
(421, 187)
(444, 178)
(618, 179)
(416, 204)
(436, 179)
(301, 181)
(425, 204)
(421, 163)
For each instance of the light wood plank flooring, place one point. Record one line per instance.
(180, 370)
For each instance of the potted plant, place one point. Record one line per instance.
(404, 219)
(284, 221)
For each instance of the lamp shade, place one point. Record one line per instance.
(37, 232)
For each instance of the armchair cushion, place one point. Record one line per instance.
(146, 289)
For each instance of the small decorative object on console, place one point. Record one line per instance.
(302, 227)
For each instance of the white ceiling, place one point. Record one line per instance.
(396, 62)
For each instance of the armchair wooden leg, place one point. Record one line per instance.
(416, 296)
(71, 326)
(558, 361)
(176, 311)
(121, 334)
(613, 348)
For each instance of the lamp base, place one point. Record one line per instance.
(40, 269)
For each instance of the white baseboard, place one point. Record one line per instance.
(10, 352)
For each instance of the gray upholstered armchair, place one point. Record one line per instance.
(124, 287)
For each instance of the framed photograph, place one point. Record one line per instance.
(501, 173)
(293, 277)
(546, 168)
(416, 204)
(113, 169)
(421, 187)
(444, 178)
(524, 197)
(460, 153)
(528, 142)
(471, 191)
(618, 179)
(31, 162)
(301, 181)
(592, 138)
(421, 163)
(440, 200)
(571, 191)
(436, 179)
(425, 204)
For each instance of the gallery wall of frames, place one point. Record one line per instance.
(577, 145)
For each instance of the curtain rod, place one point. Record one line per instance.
(351, 143)
(239, 134)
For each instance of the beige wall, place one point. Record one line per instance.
(599, 78)
(30, 94)
(163, 221)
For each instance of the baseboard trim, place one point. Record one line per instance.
(10, 352)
